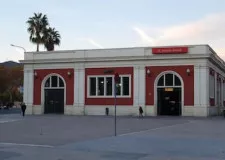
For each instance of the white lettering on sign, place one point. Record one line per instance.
(170, 50)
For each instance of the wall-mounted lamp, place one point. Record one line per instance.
(69, 73)
(188, 72)
(148, 72)
(35, 74)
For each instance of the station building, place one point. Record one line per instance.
(169, 80)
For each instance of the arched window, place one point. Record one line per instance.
(54, 82)
(169, 79)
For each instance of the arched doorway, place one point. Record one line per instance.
(54, 94)
(169, 88)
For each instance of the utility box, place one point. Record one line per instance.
(107, 111)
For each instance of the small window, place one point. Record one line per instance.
(104, 86)
(118, 87)
(211, 86)
(161, 81)
(54, 81)
(109, 86)
(92, 86)
(177, 81)
(126, 86)
(169, 79)
(223, 90)
(61, 84)
(101, 86)
(47, 83)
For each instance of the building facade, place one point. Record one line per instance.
(171, 80)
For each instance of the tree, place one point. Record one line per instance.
(36, 27)
(4, 79)
(10, 79)
(51, 38)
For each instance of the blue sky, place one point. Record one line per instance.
(87, 24)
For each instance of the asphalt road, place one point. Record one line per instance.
(56, 137)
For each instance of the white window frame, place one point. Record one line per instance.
(219, 90)
(223, 84)
(43, 87)
(113, 86)
(218, 86)
(50, 83)
(164, 81)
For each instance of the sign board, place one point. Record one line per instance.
(169, 89)
(108, 71)
(171, 50)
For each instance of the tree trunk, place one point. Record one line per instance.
(50, 46)
(10, 95)
(37, 47)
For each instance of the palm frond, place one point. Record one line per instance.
(41, 33)
(36, 26)
(51, 38)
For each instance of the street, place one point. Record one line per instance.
(59, 137)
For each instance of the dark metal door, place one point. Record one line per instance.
(54, 101)
(169, 102)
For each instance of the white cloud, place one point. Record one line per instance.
(209, 30)
(220, 52)
(91, 41)
(21, 51)
(94, 43)
(143, 35)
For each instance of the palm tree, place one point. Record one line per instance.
(51, 38)
(36, 26)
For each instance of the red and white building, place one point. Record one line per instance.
(171, 80)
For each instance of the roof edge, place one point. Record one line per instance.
(76, 50)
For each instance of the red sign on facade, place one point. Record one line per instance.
(172, 50)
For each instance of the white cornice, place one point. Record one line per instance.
(113, 59)
(122, 48)
(217, 62)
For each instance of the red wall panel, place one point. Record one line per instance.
(181, 70)
(42, 73)
(108, 101)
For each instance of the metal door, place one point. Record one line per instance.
(54, 101)
(169, 102)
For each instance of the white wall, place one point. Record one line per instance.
(78, 55)
(85, 54)
(216, 110)
(79, 89)
(120, 110)
(139, 87)
(28, 88)
(201, 89)
(136, 57)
